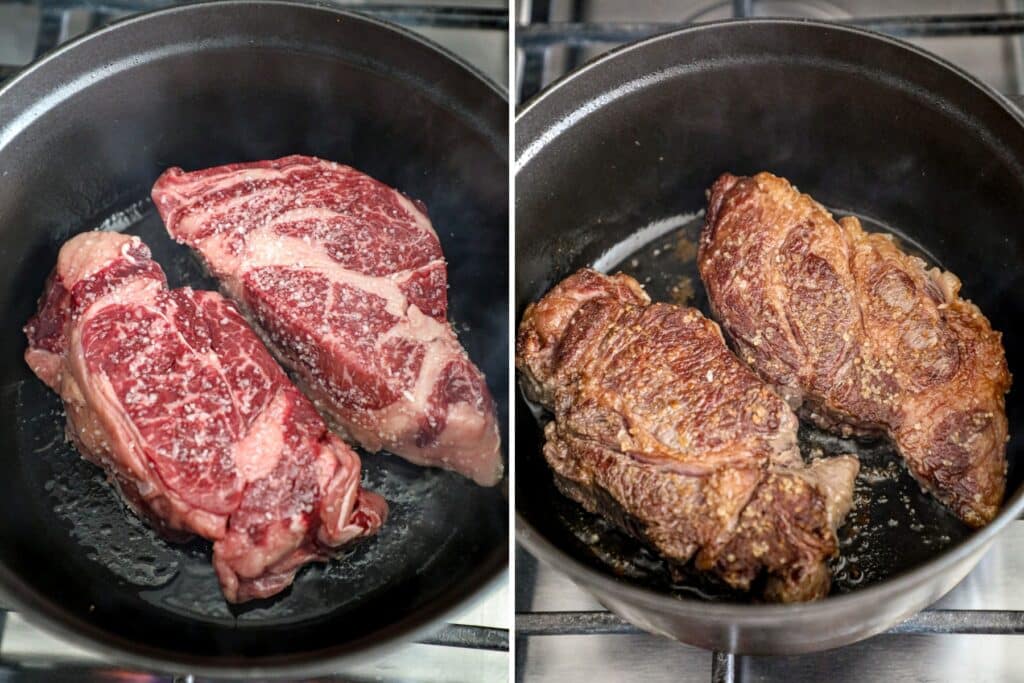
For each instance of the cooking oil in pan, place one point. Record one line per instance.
(893, 525)
(428, 509)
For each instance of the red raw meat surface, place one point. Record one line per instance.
(345, 279)
(201, 431)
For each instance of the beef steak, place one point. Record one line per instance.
(345, 279)
(864, 338)
(195, 424)
(658, 427)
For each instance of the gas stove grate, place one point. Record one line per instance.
(725, 667)
(57, 21)
(928, 622)
(83, 666)
(537, 36)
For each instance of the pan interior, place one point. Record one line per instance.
(207, 85)
(422, 529)
(893, 526)
(614, 163)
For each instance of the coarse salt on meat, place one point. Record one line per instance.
(177, 399)
(345, 279)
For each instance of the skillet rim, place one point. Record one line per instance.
(39, 610)
(199, 5)
(752, 615)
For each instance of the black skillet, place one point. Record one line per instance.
(83, 135)
(612, 165)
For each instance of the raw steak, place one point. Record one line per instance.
(864, 338)
(659, 428)
(195, 424)
(345, 279)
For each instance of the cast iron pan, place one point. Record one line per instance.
(612, 165)
(83, 135)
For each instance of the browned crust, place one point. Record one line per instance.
(864, 336)
(659, 428)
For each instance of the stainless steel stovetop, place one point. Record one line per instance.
(562, 634)
(473, 647)
(984, 37)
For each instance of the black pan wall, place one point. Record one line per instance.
(85, 134)
(865, 126)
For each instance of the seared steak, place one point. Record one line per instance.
(862, 337)
(658, 427)
(195, 424)
(344, 278)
